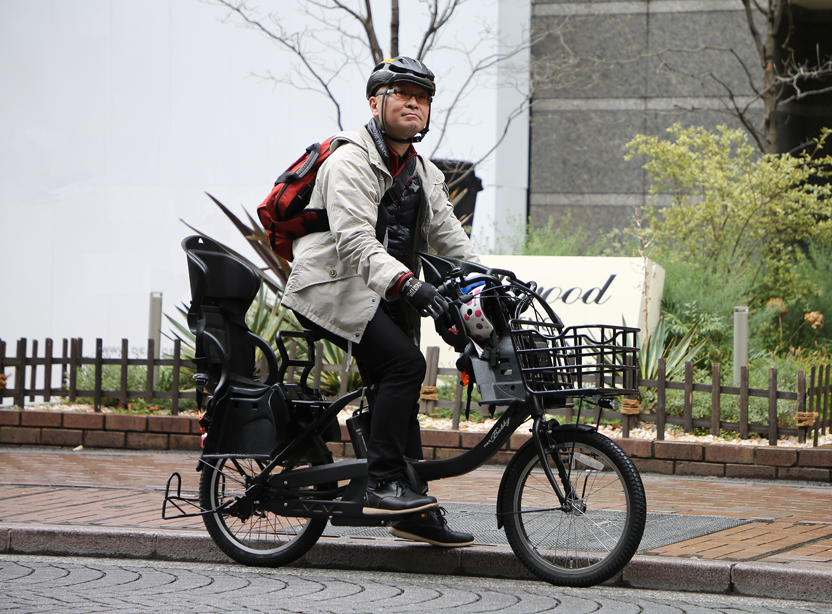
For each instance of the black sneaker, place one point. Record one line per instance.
(395, 497)
(431, 527)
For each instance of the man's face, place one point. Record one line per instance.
(404, 115)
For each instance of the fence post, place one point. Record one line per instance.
(661, 416)
(825, 418)
(743, 402)
(814, 400)
(716, 399)
(64, 362)
(47, 372)
(76, 347)
(125, 352)
(177, 360)
(99, 356)
(801, 402)
(20, 374)
(772, 407)
(426, 403)
(819, 417)
(33, 373)
(148, 395)
(688, 407)
(2, 370)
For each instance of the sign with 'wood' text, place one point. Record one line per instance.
(581, 290)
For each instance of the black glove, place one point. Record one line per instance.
(423, 297)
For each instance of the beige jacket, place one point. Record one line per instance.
(339, 277)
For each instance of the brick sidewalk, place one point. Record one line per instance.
(791, 522)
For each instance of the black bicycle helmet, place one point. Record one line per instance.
(397, 70)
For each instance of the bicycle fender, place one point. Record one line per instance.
(573, 427)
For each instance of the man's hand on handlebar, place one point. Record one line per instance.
(423, 297)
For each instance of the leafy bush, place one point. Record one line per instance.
(740, 229)
(734, 213)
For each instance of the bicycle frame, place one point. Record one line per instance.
(287, 496)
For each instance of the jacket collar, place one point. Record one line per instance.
(364, 138)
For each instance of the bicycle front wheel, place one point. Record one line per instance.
(592, 535)
(245, 529)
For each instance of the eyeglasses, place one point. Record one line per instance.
(404, 96)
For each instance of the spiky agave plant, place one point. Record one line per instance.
(653, 346)
(675, 351)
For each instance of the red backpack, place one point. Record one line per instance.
(284, 214)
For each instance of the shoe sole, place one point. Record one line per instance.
(419, 538)
(378, 511)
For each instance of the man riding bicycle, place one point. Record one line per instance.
(346, 283)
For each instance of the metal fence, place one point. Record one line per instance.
(52, 372)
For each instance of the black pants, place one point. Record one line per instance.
(390, 359)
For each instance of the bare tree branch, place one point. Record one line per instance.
(740, 113)
(481, 66)
(287, 42)
(755, 33)
(437, 20)
(799, 74)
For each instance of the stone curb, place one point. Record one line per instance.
(756, 579)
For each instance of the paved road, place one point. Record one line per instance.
(30, 585)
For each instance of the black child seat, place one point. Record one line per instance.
(240, 418)
(244, 416)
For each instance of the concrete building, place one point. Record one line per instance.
(643, 65)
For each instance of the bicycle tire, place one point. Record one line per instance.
(598, 534)
(257, 537)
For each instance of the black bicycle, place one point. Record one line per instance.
(571, 501)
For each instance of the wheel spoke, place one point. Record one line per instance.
(593, 535)
(246, 530)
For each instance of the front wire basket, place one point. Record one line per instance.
(579, 361)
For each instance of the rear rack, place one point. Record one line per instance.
(578, 361)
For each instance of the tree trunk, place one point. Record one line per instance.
(770, 100)
(771, 93)
(394, 28)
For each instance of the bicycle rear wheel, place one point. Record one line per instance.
(594, 535)
(243, 527)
